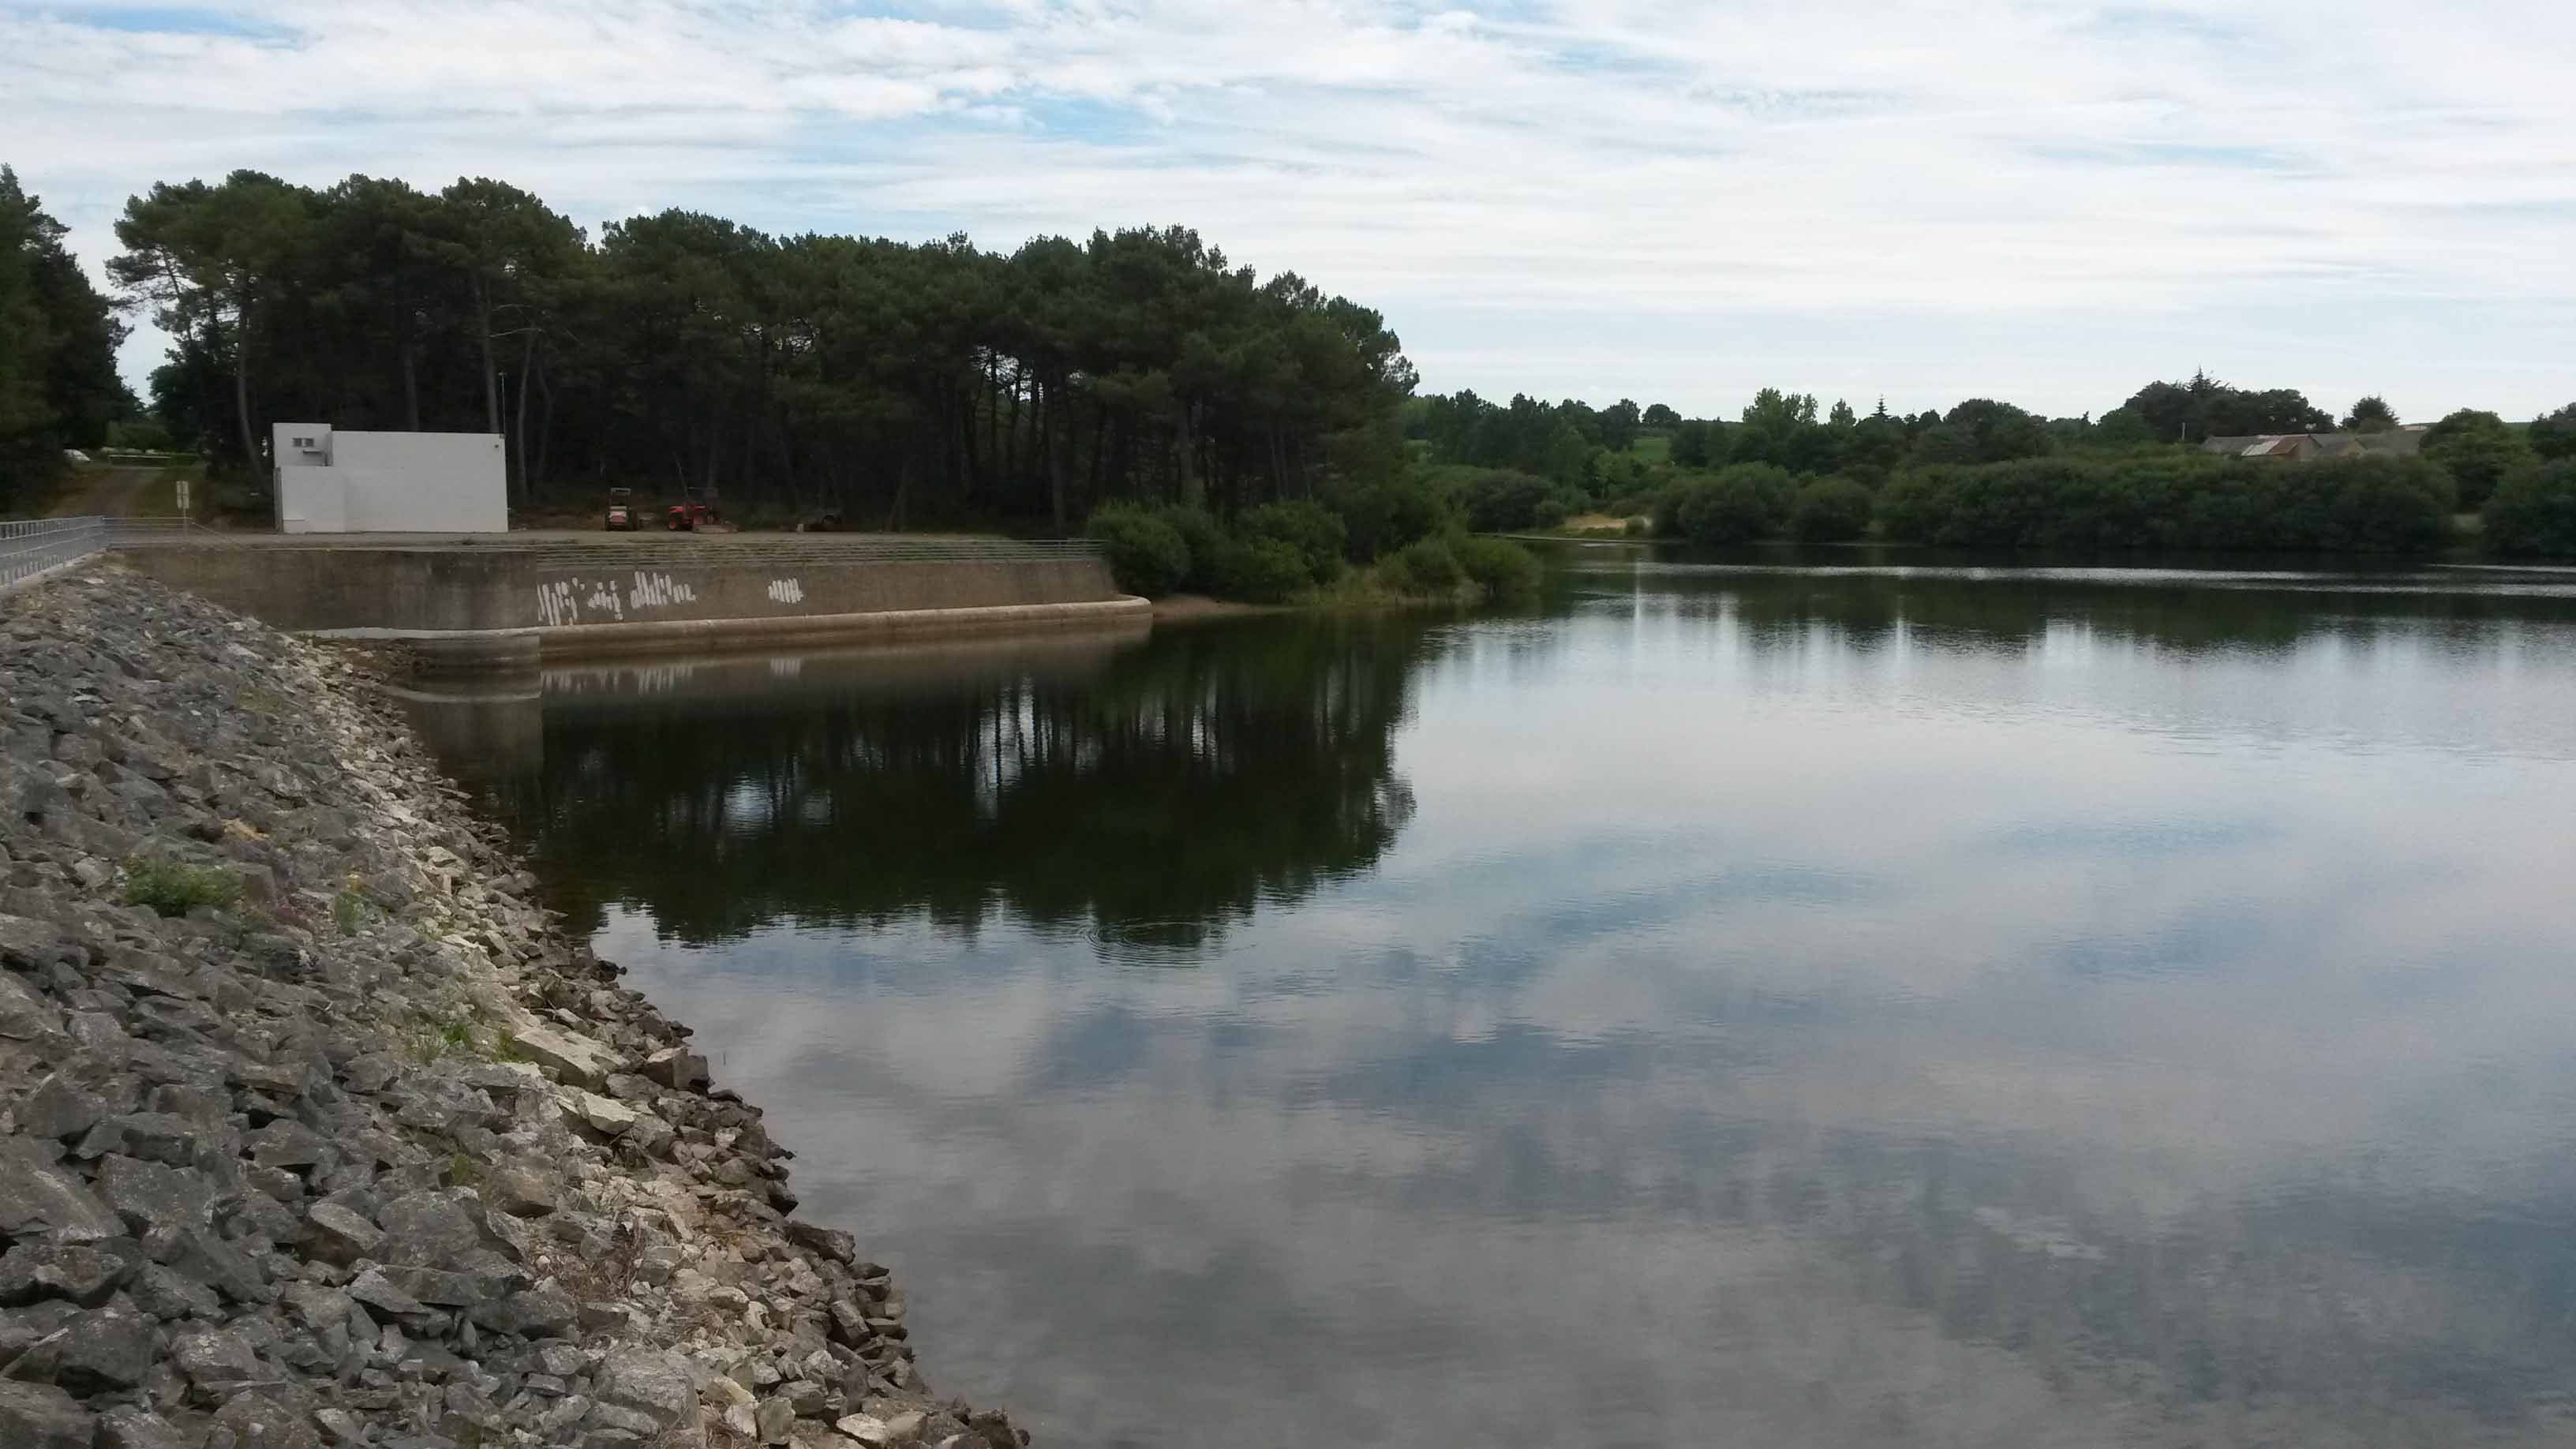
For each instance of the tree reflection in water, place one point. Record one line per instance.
(1146, 790)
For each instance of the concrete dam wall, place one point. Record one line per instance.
(513, 601)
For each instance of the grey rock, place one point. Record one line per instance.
(155, 1137)
(318, 1307)
(168, 1295)
(35, 1198)
(261, 1214)
(275, 1183)
(26, 942)
(774, 1418)
(149, 1195)
(59, 1110)
(616, 1425)
(258, 1421)
(865, 1428)
(41, 1416)
(104, 1350)
(24, 1016)
(677, 1068)
(649, 1381)
(24, 1328)
(215, 1358)
(442, 1289)
(334, 1234)
(520, 1193)
(808, 1397)
(573, 1060)
(78, 1272)
(427, 1228)
(375, 1290)
(199, 1254)
(536, 1313)
(830, 1243)
(133, 1428)
(287, 1143)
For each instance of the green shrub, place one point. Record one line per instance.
(2369, 503)
(1741, 504)
(1830, 510)
(1664, 514)
(1504, 500)
(1146, 553)
(173, 889)
(1550, 512)
(1380, 518)
(1258, 570)
(1425, 566)
(1638, 527)
(1310, 530)
(1504, 568)
(2533, 512)
(1206, 539)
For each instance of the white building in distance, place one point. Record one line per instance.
(342, 482)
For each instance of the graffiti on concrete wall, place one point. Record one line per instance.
(569, 601)
(786, 591)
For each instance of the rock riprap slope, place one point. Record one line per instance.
(313, 1131)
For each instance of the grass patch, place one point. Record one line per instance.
(173, 889)
(505, 1047)
(349, 909)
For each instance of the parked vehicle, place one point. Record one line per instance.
(685, 517)
(621, 510)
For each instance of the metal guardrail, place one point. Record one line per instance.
(34, 547)
(127, 532)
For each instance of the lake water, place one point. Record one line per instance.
(1719, 1006)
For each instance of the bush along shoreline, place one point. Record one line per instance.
(1303, 553)
(315, 1131)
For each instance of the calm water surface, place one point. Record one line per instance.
(1723, 1006)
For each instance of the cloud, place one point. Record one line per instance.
(1591, 197)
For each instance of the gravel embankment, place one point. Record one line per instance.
(313, 1131)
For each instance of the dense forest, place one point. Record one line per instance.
(895, 383)
(58, 337)
(1205, 417)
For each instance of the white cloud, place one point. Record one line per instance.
(1586, 196)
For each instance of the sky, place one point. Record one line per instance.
(1681, 203)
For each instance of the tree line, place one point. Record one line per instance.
(1785, 466)
(892, 383)
(58, 339)
(898, 384)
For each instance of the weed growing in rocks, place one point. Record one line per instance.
(173, 889)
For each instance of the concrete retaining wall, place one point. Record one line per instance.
(477, 605)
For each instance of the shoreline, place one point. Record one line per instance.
(320, 1131)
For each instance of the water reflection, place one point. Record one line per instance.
(1144, 796)
(1715, 1007)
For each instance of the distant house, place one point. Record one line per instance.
(2403, 442)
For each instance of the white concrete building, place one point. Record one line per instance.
(341, 482)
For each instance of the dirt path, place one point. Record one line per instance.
(112, 493)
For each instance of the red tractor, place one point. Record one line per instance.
(685, 517)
